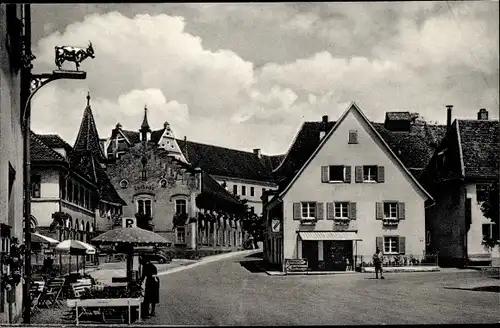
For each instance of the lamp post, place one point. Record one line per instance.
(30, 84)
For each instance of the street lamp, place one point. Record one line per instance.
(30, 84)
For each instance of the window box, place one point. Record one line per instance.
(342, 221)
(390, 221)
(308, 221)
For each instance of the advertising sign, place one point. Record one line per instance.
(129, 222)
(295, 265)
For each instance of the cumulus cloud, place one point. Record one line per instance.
(247, 75)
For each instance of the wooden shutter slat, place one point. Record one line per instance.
(297, 211)
(320, 215)
(330, 212)
(401, 211)
(352, 211)
(379, 211)
(379, 243)
(324, 174)
(380, 174)
(347, 176)
(358, 172)
(402, 245)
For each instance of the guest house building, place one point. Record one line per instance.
(349, 186)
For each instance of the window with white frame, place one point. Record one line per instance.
(308, 210)
(144, 206)
(490, 231)
(181, 235)
(243, 190)
(235, 189)
(341, 209)
(391, 245)
(391, 210)
(336, 173)
(481, 192)
(180, 206)
(369, 173)
(252, 191)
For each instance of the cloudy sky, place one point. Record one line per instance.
(247, 75)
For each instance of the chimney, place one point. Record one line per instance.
(448, 116)
(256, 151)
(324, 127)
(482, 114)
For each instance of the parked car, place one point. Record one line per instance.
(160, 257)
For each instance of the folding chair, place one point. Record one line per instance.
(35, 298)
(54, 292)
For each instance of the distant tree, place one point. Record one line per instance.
(490, 209)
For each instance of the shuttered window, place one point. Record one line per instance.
(336, 173)
(392, 244)
(341, 209)
(308, 210)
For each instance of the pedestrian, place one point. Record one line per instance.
(152, 287)
(348, 264)
(377, 261)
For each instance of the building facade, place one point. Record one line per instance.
(351, 194)
(11, 154)
(169, 195)
(71, 195)
(463, 165)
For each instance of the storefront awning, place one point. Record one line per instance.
(328, 235)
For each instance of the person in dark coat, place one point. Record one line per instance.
(152, 287)
(377, 261)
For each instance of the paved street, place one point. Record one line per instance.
(226, 293)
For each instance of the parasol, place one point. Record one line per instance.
(75, 247)
(38, 238)
(127, 239)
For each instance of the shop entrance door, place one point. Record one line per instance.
(310, 252)
(335, 253)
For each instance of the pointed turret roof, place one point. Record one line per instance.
(88, 137)
(145, 125)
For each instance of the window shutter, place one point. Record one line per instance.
(380, 174)
(330, 212)
(402, 245)
(324, 174)
(352, 211)
(358, 174)
(401, 211)
(297, 211)
(347, 174)
(379, 243)
(320, 215)
(379, 211)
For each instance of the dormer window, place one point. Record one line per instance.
(163, 183)
(124, 184)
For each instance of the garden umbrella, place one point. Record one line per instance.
(38, 238)
(128, 238)
(75, 247)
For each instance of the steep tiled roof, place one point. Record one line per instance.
(212, 193)
(156, 135)
(41, 152)
(272, 161)
(414, 147)
(225, 162)
(132, 136)
(88, 138)
(480, 147)
(305, 143)
(55, 141)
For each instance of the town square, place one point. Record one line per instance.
(249, 163)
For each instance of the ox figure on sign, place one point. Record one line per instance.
(74, 54)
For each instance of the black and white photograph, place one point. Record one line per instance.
(249, 163)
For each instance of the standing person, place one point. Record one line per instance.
(377, 261)
(152, 287)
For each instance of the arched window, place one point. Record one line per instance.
(87, 227)
(77, 225)
(163, 183)
(124, 184)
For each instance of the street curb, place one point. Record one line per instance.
(209, 259)
(403, 269)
